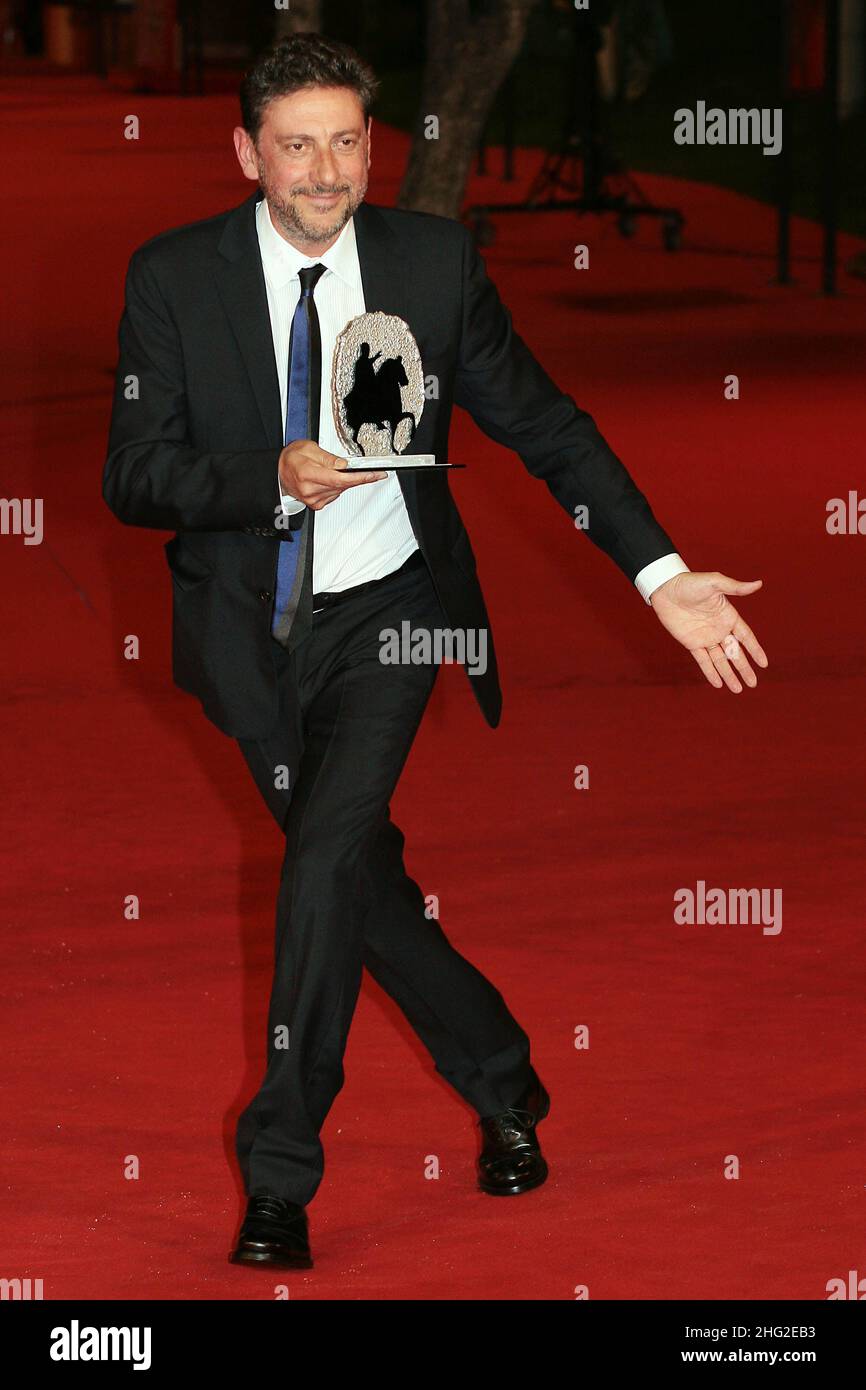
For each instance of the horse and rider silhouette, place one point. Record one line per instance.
(374, 398)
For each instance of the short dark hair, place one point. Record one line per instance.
(298, 61)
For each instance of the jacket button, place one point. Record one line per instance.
(265, 595)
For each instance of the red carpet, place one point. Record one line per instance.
(705, 1041)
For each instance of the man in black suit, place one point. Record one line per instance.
(287, 570)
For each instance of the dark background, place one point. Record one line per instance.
(727, 54)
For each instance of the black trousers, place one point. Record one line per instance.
(345, 899)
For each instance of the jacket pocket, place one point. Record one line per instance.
(188, 569)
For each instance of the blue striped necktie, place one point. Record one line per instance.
(302, 416)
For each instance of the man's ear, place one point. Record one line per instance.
(369, 138)
(245, 151)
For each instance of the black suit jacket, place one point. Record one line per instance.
(194, 446)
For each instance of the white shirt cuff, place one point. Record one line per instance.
(651, 577)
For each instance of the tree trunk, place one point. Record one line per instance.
(470, 49)
(301, 16)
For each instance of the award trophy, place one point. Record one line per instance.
(377, 385)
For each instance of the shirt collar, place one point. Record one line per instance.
(282, 261)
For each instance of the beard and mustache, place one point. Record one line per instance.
(289, 213)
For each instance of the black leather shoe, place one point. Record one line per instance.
(274, 1232)
(511, 1160)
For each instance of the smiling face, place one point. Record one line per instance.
(312, 160)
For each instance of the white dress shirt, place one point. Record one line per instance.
(365, 533)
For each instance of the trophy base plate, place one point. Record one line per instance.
(395, 463)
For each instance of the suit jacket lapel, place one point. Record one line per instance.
(241, 284)
(384, 270)
(385, 276)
